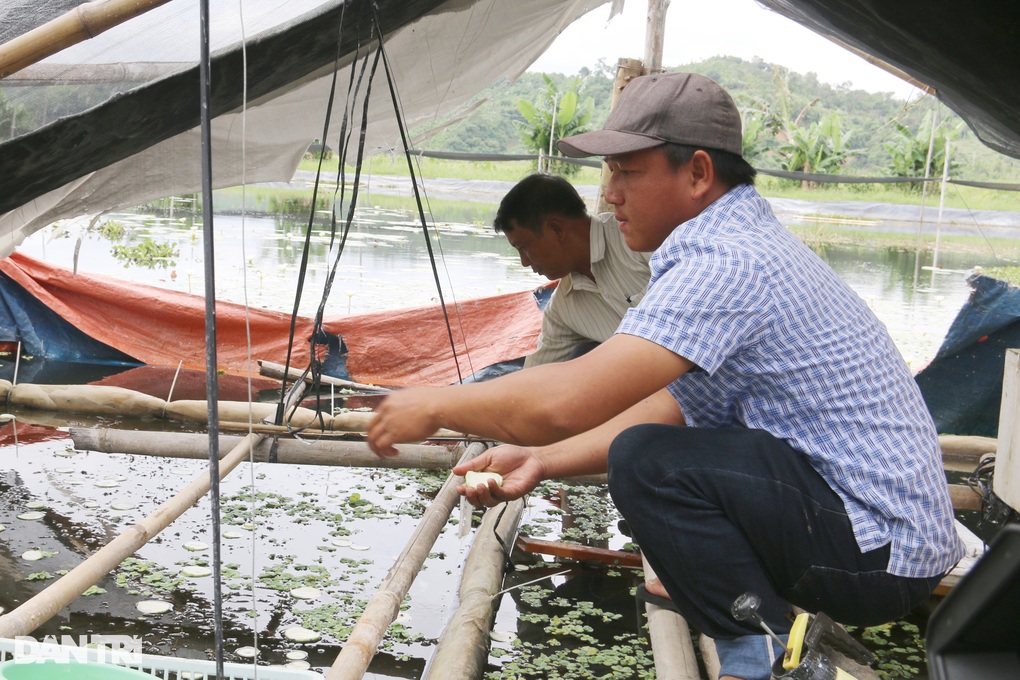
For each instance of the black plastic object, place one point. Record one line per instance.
(975, 632)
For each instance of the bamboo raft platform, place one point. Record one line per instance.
(334, 440)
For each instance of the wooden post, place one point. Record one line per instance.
(464, 645)
(382, 609)
(1006, 478)
(40, 608)
(655, 35)
(626, 70)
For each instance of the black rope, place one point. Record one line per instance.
(212, 385)
(508, 563)
(280, 415)
(319, 335)
(417, 195)
(996, 513)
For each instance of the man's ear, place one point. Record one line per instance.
(556, 227)
(702, 173)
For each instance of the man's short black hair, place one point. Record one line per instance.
(536, 197)
(731, 168)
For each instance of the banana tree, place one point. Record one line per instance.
(908, 153)
(557, 114)
(820, 147)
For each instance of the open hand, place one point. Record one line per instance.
(520, 468)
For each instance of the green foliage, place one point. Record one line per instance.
(112, 230)
(908, 152)
(148, 253)
(1009, 274)
(818, 147)
(898, 649)
(558, 113)
(8, 117)
(768, 95)
(561, 644)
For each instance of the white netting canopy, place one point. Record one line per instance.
(113, 121)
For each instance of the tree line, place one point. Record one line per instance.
(792, 122)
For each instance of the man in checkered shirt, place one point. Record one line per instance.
(760, 430)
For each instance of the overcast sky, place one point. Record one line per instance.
(700, 29)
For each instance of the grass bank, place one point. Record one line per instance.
(511, 171)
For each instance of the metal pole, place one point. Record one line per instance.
(924, 195)
(938, 226)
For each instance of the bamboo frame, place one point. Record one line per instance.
(464, 644)
(40, 608)
(288, 451)
(353, 661)
(709, 656)
(81, 23)
(273, 370)
(672, 647)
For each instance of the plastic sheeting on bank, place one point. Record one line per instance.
(162, 328)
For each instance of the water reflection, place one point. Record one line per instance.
(384, 263)
(383, 266)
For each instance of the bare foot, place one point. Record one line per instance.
(654, 586)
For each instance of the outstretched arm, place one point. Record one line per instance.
(535, 406)
(522, 468)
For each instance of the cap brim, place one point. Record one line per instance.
(604, 143)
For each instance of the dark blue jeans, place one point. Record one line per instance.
(721, 512)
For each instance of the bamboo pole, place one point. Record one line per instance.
(672, 648)
(382, 609)
(464, 644)
(288, 451)
(272, 370)
(710, 656)
(965, 446)
(655, 35)
(81, 23)
(40, 608)
(885, 66)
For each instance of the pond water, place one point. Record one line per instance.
(339, 530)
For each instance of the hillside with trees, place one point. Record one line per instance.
(792, 121)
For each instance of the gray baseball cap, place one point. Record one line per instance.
(682, 108)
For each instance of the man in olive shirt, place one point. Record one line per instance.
(600, 278)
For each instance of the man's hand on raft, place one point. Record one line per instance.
(403, 416)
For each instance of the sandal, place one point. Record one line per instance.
(642, 594)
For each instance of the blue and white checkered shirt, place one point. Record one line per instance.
(787, 347)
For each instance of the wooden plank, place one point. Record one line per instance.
(975, 549)
(578, 552)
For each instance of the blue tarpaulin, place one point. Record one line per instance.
(963, 384)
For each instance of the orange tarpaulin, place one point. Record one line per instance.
(402, 347)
